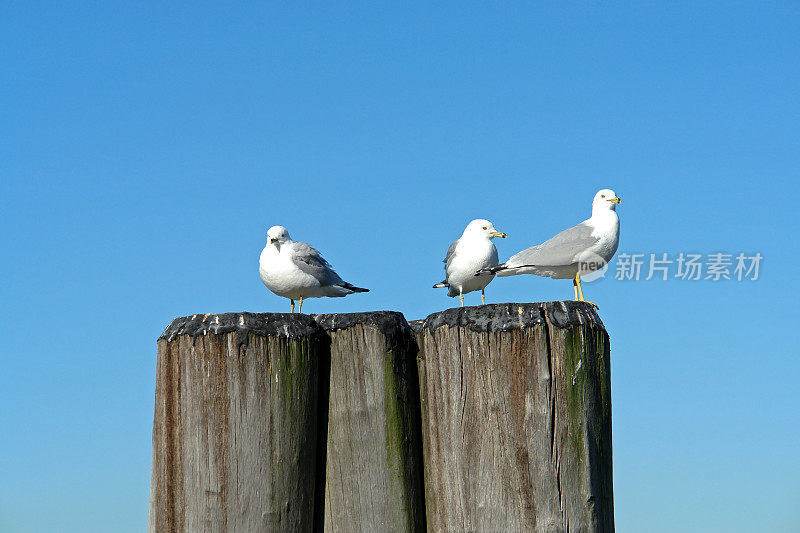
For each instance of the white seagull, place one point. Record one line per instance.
(295, 270)
(472, 252)
(587, 247)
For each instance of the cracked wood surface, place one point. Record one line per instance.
(516, 418)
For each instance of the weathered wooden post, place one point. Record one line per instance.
(374, 448)
(268, 422)
(235, 430)
(516, 418)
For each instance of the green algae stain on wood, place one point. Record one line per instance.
(394, 427)
(603, 365)
(372, 464)
(575, 369)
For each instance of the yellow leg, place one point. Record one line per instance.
(301, 304)
(292, 304)
(461, 297)
(579, 289)
(575, 287)
(483, 297)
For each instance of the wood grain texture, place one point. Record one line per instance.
(374, 446)
(235, 428)
(516, 418)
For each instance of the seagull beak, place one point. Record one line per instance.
(498, 234)
(615, 200)
(273, 240)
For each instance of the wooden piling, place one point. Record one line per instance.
(278, 422)
(235, 431)
(374, 448)
(516, 418)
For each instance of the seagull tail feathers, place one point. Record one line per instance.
(351, 287)
(491, 270)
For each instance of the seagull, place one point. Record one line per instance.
(473, 251)
(589, 246)
(295, 270)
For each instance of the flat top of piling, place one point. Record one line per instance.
(391, 324)
(509, 316)
(262, 324)
(378, 319)
(492, 317)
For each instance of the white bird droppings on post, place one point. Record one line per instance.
(577, 367)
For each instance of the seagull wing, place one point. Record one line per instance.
(310, 261)
(561, 250)
(451, 254)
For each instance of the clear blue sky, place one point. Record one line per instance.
(147, 147)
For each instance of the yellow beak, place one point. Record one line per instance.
(273, 240)
(615, 200)
(498, 234)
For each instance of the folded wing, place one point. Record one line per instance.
(311, 262)
(561, 250)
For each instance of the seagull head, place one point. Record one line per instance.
(278, 235)
(482, 228)
(605, 199)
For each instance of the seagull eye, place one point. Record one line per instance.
(485, 227)
(602, 196)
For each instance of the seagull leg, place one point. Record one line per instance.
(301, 305)
(483, 296)
(292, 304)
(580, 291)
(461, 297)
(575, 287)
